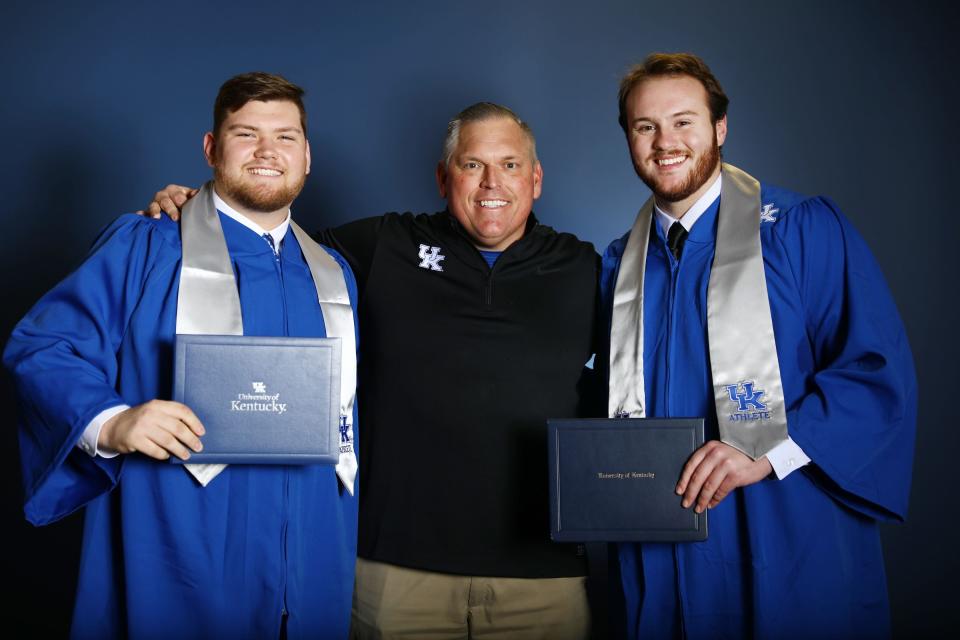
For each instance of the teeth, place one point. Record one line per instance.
(493, 203)
(666, 162)
(265, 172)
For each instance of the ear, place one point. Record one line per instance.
(210, 148)
(721, 127)
(307, 153)
(537, 180)
(442, 179)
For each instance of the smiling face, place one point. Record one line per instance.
(491, 181)
(673, 142)
(260, 159)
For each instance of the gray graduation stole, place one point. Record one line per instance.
(747, 389)
(208, 303)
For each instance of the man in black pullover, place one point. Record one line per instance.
(475, 325)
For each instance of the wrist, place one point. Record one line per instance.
(105, 440)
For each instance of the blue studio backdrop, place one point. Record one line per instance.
(104, 103)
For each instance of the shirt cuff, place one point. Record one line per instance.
(88, 439)
(787, 457)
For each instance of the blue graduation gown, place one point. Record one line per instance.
(163, 556)
(798, 557)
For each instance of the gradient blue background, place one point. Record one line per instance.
(103, 103)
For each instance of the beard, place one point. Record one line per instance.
(258, 197)
(696, 178)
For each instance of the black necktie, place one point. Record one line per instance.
(675, 239)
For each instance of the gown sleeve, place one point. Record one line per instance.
(857, 417)
(63, 358)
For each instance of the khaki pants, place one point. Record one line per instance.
(396, 602)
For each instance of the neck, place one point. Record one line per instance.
(268, 220)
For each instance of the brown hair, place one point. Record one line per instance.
(674, 64)
(477, 113)
(256, 85)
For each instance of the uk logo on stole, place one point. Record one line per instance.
(346, 436)
(746, 397)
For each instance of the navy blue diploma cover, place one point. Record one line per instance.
(261, 400)
(615, 479)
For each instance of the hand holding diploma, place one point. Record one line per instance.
(158, 428)
(716, 469)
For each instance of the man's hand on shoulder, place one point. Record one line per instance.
(169, 200)
(158, 428)
(716, 469)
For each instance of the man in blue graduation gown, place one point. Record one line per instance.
(261, 550)
(793, 547)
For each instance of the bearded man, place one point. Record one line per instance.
(763, 311)
(243, 551)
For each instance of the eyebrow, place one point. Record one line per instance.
(687, 112)
(250, 127)
(477, 159)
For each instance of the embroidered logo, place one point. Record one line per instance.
(766, 213)
(430, 258)
(259, 387)
(747, 398)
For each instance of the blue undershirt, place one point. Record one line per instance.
(490, 256)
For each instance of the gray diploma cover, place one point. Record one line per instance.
(743, 351)
(208, 303)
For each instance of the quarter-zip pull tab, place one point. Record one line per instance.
(488, 288)
(491, 258)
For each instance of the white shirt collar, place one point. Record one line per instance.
(693, 213)
(277, 232)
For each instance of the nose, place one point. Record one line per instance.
(664, 138)
(265, 148)
(490, 178)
